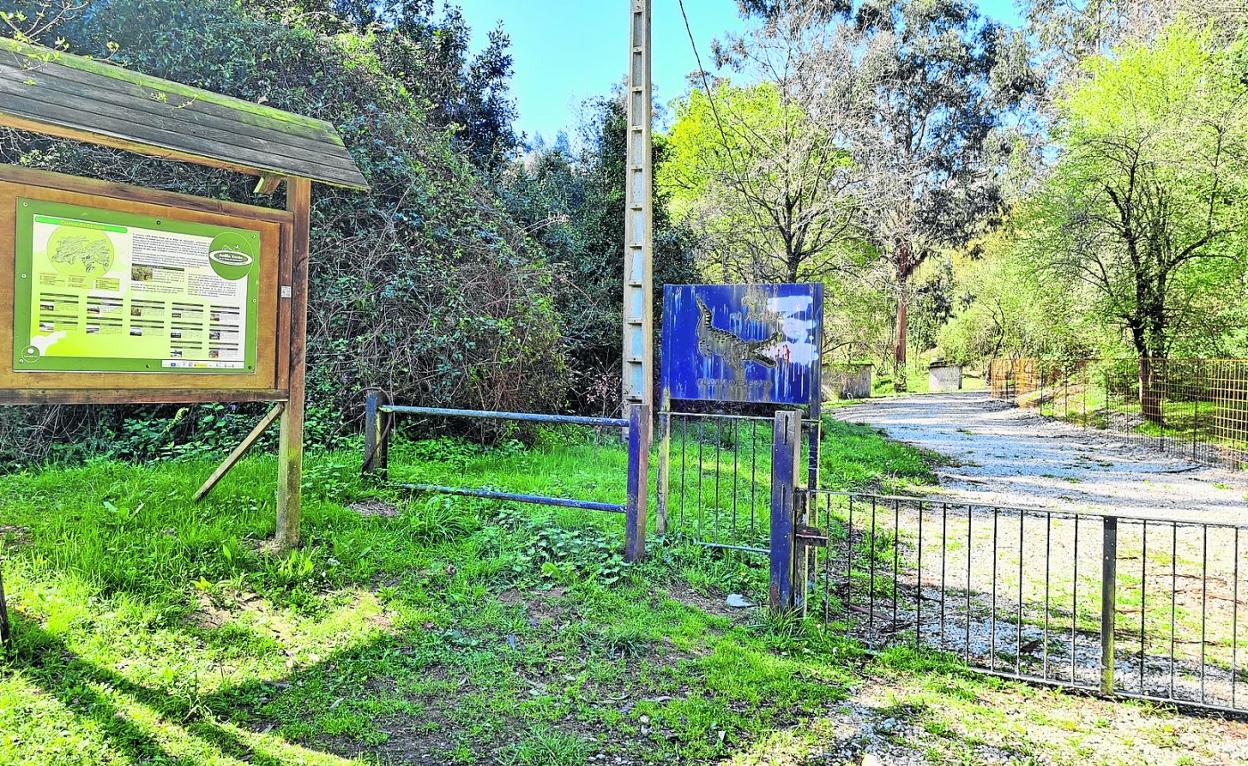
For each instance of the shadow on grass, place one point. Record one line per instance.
(83, 688)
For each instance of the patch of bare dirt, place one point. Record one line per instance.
(716, 605)
(375, 508)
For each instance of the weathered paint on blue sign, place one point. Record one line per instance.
(742, 343)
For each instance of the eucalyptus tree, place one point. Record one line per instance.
(1068, 31)
(937, 90)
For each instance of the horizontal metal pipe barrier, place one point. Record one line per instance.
(532, 417)
(379, 416)
(490, 494)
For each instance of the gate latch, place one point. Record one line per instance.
(811, 536)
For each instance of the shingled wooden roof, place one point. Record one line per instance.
(80, 98)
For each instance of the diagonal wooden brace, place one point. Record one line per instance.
(240, 450)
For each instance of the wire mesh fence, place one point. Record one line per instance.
(1197, 408)
(1129, 606)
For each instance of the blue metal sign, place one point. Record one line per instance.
(743, 343)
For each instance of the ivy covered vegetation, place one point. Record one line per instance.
(475, 273)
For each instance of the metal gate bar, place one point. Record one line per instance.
(378, 425)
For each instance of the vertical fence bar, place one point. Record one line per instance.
(736, 459)
(1174, 592)
(1235, 618)
(638, 481)
(1048, 552)
(918, 582)
(992, 621)
(662, 482)
(684, 467)
(1143, 599)
(1109, 600)
(785, 459)
(849, 565)
(871, 570)
(944, 552)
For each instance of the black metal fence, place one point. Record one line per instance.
(1197, 408)
(714, 474)
(1135, 607)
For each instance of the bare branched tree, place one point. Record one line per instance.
(762, 172)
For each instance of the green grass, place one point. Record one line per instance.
(153, 630)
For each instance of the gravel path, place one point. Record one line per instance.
(1004, 455)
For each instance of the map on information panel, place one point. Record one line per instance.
(103, 291)
(743, 343)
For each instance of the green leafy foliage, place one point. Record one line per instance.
(425, 286)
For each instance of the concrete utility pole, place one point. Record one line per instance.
(639, 218)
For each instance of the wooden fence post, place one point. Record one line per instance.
(6, 634)
(638, 481)
(1109, 600)
(290, 444)
(785, 461)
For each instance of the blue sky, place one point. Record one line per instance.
(569, 50)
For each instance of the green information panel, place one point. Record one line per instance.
(101, 291)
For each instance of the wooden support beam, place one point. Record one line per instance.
(268, 183)
(242, 449)
(785, 462)
(290, 446)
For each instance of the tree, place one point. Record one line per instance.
(769, 193)
(431, 55)
(424, 286)
(1148, 192)
(935, 85)
(1069, 31)
(760, 170)
(573, 204)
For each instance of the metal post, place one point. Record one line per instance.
(376, 435)
(663, 480)
(639, 217)
(638, 479)
(6, 635)
(785, 462)
(1105, 420)
(1109, 600)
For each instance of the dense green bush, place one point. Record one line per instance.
(424, 286)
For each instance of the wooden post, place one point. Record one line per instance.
(785, 464)
(1109, 600)
(6, 635)
(663, 480)
(290, 447)
(638, 481)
